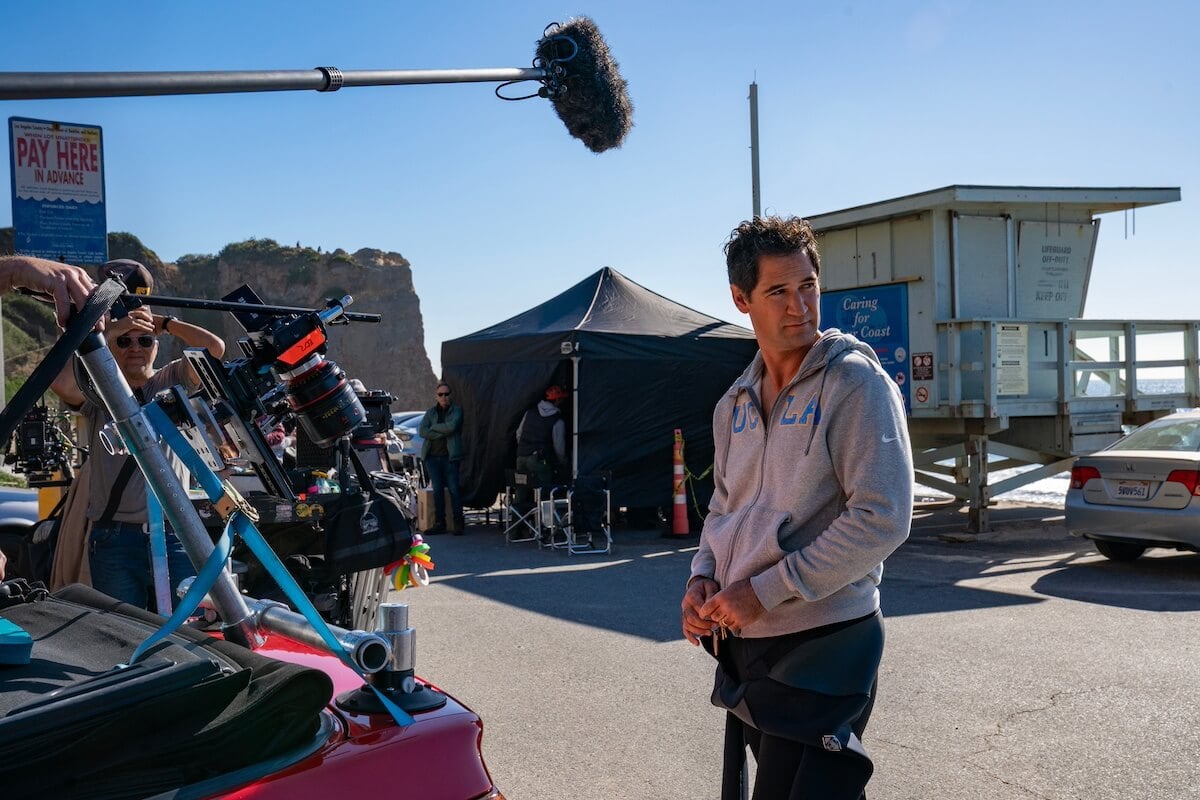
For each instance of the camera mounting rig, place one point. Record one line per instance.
(243, 618)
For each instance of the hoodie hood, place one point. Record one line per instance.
(831, 346)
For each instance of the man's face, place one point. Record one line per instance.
(136, 359)
(443, 396)
(785, 304)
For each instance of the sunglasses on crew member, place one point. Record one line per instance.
(145, 340)
(443, 394)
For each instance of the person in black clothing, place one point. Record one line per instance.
(542, 438)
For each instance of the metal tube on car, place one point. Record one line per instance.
(369, 651)
(393, 626)
(145, 448)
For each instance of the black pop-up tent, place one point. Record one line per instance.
(637, 364)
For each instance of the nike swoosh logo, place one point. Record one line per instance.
(890, 439)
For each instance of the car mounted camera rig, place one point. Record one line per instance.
(291, 347)
(284, 377)
(284, 374)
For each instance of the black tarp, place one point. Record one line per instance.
(645, 366)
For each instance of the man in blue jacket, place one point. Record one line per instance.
(442, 452)
(813, 490)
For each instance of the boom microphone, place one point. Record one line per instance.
(573, 64)
(584, 84)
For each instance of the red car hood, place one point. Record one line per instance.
(438, 756)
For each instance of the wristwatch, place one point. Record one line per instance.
(166, 321)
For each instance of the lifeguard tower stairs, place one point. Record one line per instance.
(972, 297)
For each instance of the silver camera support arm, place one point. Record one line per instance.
(146, 449)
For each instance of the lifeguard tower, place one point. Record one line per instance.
(972, 297)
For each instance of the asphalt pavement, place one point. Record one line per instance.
(1019, 664)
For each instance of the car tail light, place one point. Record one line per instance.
(1081, 475)
(1190, 478)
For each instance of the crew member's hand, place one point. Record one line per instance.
(65, 283)
(136, 322)
(3, 561)
(698, 593)
(735, 606)
(157, 321)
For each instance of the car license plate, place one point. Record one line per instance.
(1132, 490)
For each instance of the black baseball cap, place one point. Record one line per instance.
(135, 276)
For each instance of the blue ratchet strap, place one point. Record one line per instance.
(205, 579)
(158, 553)
(244, 527)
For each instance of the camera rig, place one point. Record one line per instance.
(41, 450)
(283, 374)
(284, 379)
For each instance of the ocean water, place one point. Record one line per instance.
(1052, 491)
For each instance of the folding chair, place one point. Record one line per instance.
(554, 510)
(582, 515)
(521, 514)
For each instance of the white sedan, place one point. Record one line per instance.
(404, 440)
(1142, 491)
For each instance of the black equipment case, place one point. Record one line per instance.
(74, 725)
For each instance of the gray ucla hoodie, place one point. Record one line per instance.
(812, 497)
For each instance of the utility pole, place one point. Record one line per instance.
(756, 190)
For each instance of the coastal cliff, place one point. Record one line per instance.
(387, 355)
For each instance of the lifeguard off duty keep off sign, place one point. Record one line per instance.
(58, 190)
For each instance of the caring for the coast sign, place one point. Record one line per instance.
(878, 315)
(58, 190)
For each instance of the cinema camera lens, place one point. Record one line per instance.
(293, 346)
(325, 404)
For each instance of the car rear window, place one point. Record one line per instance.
(1174, 435)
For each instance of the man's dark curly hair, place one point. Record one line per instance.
(767, 236)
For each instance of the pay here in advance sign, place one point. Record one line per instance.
(58, 191)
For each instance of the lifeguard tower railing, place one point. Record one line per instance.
(1079, 385)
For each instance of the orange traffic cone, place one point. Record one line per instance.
(679, 517)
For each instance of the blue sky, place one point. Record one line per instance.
(497, 207)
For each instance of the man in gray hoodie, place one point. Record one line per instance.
(814, 483)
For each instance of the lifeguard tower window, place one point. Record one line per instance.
(973, 298)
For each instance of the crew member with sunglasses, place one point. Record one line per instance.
(118, 547)
(442, 452)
